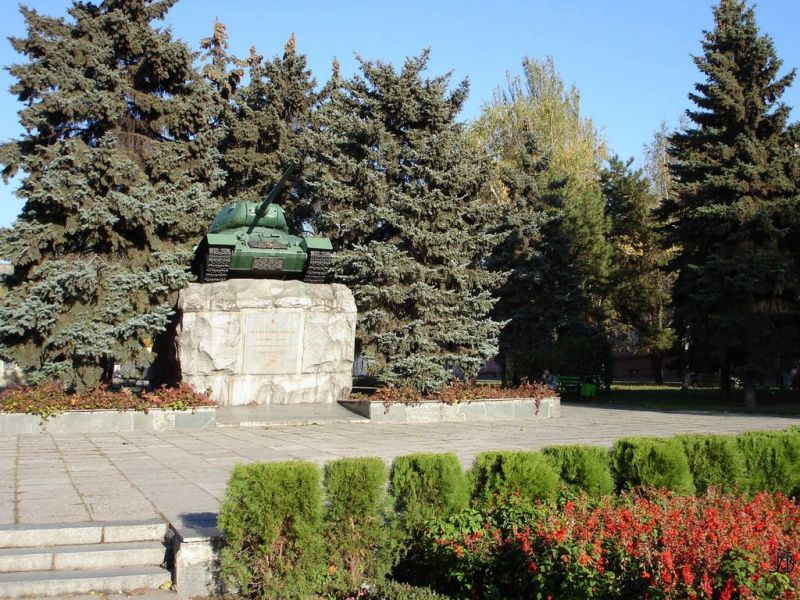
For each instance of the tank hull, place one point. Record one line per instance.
(252, 239)
(261, 253)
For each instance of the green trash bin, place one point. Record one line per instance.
(588, 390)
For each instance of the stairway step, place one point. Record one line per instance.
(58, 583)
(90, 532)
(83, 556)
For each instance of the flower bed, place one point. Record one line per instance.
(528, 524)
(456, 402)
(455, 393)
(50, 399)
(508, 529)
(637, 545)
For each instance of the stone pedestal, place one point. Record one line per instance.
(264, 341)
(10, 374)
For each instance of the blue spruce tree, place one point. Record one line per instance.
(119, 166)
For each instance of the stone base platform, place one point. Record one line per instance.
(283, 415)
(110, 421)
(500, 409)
(265, 341)
(276, 415)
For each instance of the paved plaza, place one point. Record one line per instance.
(181, 475)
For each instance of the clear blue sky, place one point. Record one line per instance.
(630, 59)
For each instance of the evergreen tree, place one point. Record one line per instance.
(540, 299)
(222, 70)
(735, 215)
(570, 259)
(540, 104)
(266, 122)
(640, 290)
(119, 164)
(398, 186)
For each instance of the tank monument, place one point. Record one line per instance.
(261, 326)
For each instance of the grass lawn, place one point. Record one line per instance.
(671, 397)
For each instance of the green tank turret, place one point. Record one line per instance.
(252, 239)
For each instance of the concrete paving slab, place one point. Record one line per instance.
(174, 473)
(24, 516)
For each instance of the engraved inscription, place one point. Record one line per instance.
(271, 343)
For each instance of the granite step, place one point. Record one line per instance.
(82, 556)
(59, 559)
(283, 415)
(71, 534)
(42, 584)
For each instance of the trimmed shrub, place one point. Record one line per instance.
(426, 486)
(584, 468)
(359, 542)
(392, 590)
(715, 461)
(772, 461)
(651, 462)
(497, 474)
(271, 523)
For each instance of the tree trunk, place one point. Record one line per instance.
(107, 364)
(657, 362)
(749, 392)
(506, 368)
(725, 380)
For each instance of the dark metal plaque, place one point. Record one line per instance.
(268, 244)
(267, 264)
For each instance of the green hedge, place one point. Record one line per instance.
(654, 462)
(426, 486)
(772, 461)
(271, 523)
(496, 474)
(715, 461)
(279, 542)
(585, 468)
(392, 590)
(359, 543)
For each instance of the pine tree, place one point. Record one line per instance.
(640, 289)
(735, 216)
(540, 300)
(222, 70)
(266, 123)
(119, 164)
(398, 186)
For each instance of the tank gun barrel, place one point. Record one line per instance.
(262, 208)
(278, 187)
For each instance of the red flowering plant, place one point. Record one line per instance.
(52, 398)
(639, 544)
(458, 392)
(180, 397)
